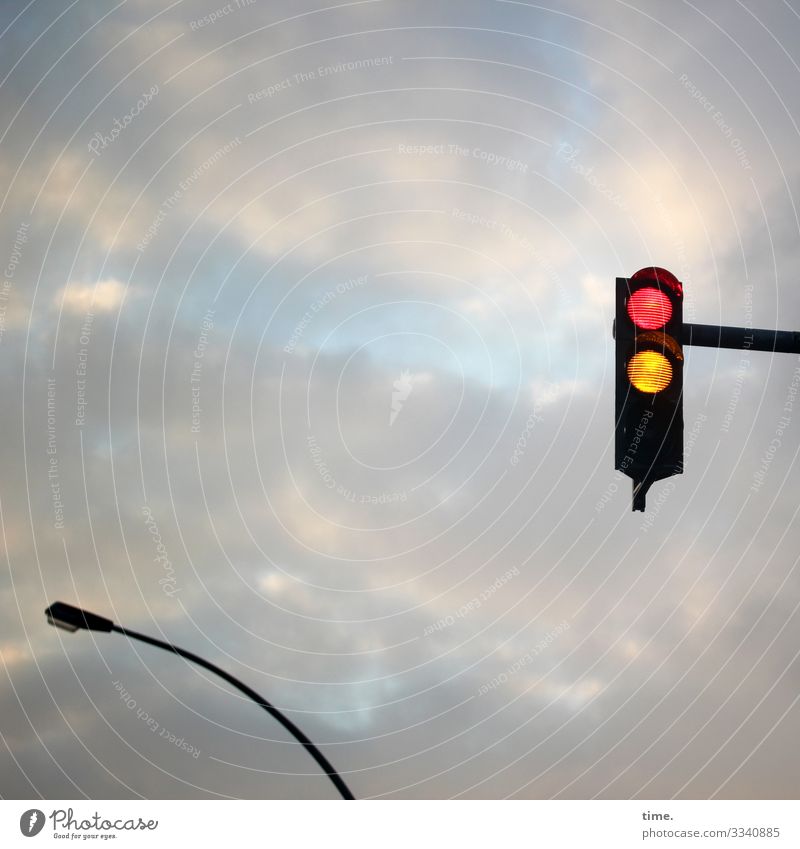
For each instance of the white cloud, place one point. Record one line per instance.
(80, 298)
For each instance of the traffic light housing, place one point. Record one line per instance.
(648, 330)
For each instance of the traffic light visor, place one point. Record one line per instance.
(660, 276)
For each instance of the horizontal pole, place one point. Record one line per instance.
(742, 338)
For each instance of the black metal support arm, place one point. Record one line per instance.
(72, 618)
(301, 738)
(742, 338)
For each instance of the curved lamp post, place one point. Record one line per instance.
(72, 618)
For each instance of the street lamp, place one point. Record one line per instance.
(73, 618)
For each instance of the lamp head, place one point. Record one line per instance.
(72, 618)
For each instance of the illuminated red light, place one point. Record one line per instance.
(649, 308)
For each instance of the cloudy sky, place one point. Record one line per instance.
(305, 320)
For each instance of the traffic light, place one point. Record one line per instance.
(648, 330)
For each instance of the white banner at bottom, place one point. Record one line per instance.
(396, 824)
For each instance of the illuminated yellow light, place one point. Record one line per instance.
(650, 372)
